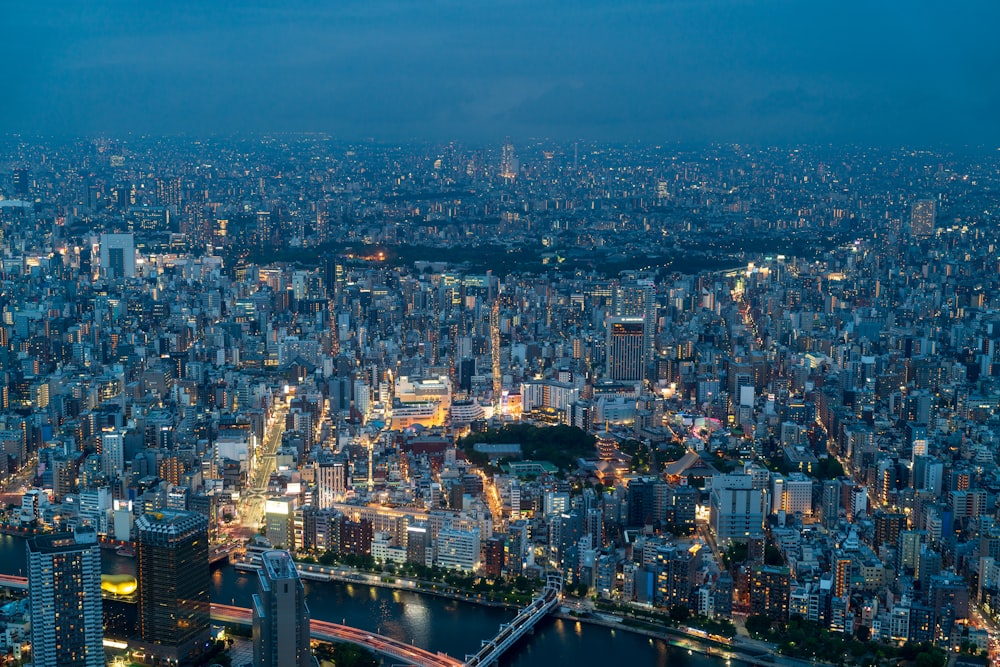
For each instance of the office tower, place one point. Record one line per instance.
(113, 453)
(637, 298)
(280, 614)
(174, 615)
(922, 218)
(626, 348)
(64, 584)
(831, 502)
(279, 522)
(118, 255)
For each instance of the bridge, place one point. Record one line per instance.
(326, 631)
(522, 624)
(487, 656)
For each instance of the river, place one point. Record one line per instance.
(433, 623)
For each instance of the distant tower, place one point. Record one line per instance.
(922, 218)
(280, 614)
(495, 350)
(64, 585)
(626, 350)
(174, 578)
(508, 162)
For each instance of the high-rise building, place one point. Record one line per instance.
(64, 584)
(922, 218)
(113, 452)
(626, 351)
(174, 579)
(280, 614)
(675, 575)
(769, 591)
(831, 502)
(637, 298)
(509, 163)
(331, 483)
(118, 255)
(737, 509)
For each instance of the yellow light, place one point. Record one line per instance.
(118, 584)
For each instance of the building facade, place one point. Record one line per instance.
(64, 584)
(174, 579)
(280, 614)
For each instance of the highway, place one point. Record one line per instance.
(326, 631)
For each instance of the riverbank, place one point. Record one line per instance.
(675, 637)
(313, 572)
(738, 649)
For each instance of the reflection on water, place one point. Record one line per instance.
(432, 623)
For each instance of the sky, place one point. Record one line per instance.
(877, 72)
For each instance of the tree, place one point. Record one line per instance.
(863, 633)
(736, 553)
(679, 613)
(758, 624)
(772, 555)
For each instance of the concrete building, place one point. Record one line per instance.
(280, 614)
(64, 585)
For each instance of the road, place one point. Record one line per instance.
(326, 631)
(251, 510)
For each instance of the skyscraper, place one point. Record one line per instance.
(509, 164)
(113, 452)
(174, 615)
(922, 218)
(637, 298)
(626, 348)
(64, 584)
(280, 614)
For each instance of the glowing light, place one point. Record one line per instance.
(119, 584)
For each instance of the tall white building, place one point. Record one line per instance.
(64, 585)
(458, 549)
(113, 453)
(737, 509)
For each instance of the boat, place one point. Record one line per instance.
(251, 558)
(126, 550)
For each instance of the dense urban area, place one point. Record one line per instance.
(747, 395)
